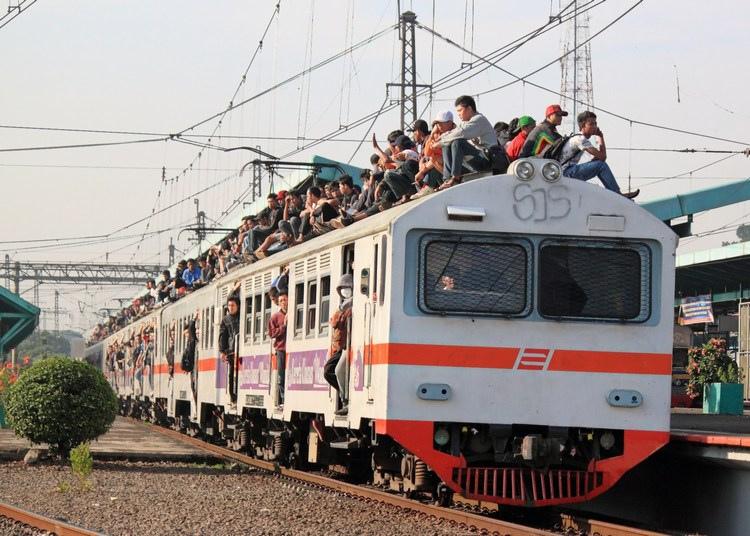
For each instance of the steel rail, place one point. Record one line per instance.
(37, 521)
(470, 520)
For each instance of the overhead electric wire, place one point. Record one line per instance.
(525, 80)
(81, 145)
(15, 11)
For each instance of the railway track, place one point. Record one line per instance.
(43, 523)
(568, 524)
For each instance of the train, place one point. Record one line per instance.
(510, 341)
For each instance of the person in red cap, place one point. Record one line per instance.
(545, 133)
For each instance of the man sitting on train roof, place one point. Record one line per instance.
(431, 165)
(398, 183)
(191, 274)
(473, 135)
(545, 134)
(420, 131)
(579, 144)
(273, 212)
(526, 124)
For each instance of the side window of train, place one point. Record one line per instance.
(257, 318)
(248, 318)
(299, 308)
(312, 307)
(211, 326)
(375, 289)
(383, 255)
(325, 303)
(266, 315)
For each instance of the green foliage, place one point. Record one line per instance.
(710, 363)
(82, 464)
(41, 344)
(61, 402)
(743, 232)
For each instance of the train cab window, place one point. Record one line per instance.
(312, 307)
(257, 318)
(299, 308)
(248, 318)
(325, 303)
(474, 275)
(596, 280)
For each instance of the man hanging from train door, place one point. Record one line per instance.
(277, 331)
(229, 332)
(336, 371)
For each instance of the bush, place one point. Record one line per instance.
(62, 403)
(82, 464)
(710, 363)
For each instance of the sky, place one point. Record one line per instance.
(160, 67)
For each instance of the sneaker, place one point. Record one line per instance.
(426, 190)
(343, 411)
(631, 195)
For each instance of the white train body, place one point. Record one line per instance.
(540, 377)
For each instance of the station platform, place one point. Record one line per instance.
(693, 427)
(125, 440)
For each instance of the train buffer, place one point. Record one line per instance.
(126, 440)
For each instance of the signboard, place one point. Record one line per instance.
(696, 310)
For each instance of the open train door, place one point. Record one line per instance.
(743, 344)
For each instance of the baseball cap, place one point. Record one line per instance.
(420, 125)
(281, 195)
(443, 117)
(404, 142)
(526, 120)
(555, 109)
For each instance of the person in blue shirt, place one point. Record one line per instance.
(192, 273)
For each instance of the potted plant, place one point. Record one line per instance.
(716, 375)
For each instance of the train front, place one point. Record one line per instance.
(528, 358)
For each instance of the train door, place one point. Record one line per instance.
(348, 355)
(368, 274)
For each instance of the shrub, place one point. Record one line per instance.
(710, 363)
(82, 464)
(60, 402)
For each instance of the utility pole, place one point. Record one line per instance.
(408, 85)
(7, 271)
(200, 222)
(57, 311)
(577, 85)
(17, 278)
(171, 252)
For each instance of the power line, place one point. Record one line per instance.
(81, 145)
(15, 11)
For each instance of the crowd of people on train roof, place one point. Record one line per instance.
(433, 158)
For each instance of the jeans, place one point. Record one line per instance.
(453, 158)
(594, 168)
(281, 369)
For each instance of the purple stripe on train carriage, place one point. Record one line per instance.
(304, 371)
(255, 372)
(221, 374)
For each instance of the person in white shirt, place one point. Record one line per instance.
(470, 138)
(579, 144)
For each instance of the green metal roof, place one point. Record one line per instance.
(722, 272)
(699, 200)
(18, 318)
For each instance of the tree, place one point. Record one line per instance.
(61, 402)
(44, 343)
(743, 232)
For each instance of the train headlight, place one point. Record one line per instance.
(442, 436)
(607, 440)
(551, 172)
(524, 170)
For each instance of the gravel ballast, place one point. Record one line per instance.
(139, 498)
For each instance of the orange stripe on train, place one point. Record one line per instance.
(521, 358)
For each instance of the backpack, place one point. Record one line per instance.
(555, 151)
(498, 158)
